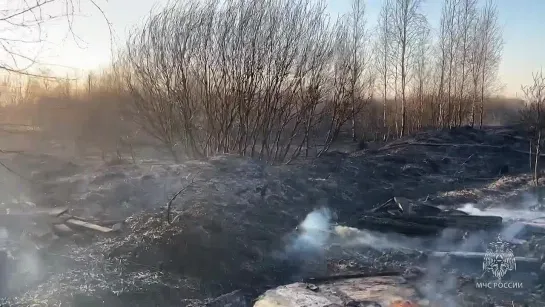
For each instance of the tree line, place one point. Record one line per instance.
(278, 79)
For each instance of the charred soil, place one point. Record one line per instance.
(232, 223)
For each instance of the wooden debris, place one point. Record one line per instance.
(384, 207)
(58, 211)
(402, 216)
(401, 205)
(3, 273)
(452, 212)
(368, 291)
(422, 209)
(466, 222)
(83, 224)
(62, 230)
(388, 224)
(404, 204)
(350, 276)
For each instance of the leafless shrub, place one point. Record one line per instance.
(247, 77)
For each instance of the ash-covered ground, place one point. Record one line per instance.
(235, 223)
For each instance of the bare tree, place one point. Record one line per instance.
(359, 58)
(533, 117)
(475, 65)
(407, 23)
(422, 74)
(465, 20)
(23, 33)
(490, 51)
(383, 51)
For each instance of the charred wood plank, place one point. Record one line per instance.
(62, 230)
(452, 212)
(384, 207)
(467, 222)
(427, 210)
(388, 224)
(350, 276)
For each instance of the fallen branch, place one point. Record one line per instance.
(88, 225)
(169, 204)
(15, 173)
(384, 205)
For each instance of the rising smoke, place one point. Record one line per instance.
(317, 233)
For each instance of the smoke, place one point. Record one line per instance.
(314, 231)
(317, 233)
(506, 214)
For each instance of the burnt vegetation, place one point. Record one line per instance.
(277, 81)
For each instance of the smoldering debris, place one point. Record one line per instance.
(448, 262)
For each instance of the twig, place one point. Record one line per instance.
(461, 165)
(169, 204)
(383, 205)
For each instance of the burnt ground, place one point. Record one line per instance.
(233, 222)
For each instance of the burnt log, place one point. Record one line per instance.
(329, 278)
(387, 224)
(385, 207)
(453, 212)
(466, 222)
(400, 205)
(422, 209)
(427, 225)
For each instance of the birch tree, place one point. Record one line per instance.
(407, 26)
(490, 52)
(359, 59)
(383, 51)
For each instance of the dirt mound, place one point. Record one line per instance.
(233, 221)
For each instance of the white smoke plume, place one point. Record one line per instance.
(317, 232)
(505, 213)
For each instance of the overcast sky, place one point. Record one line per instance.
(522, 22)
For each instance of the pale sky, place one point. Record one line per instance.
(522, 23)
